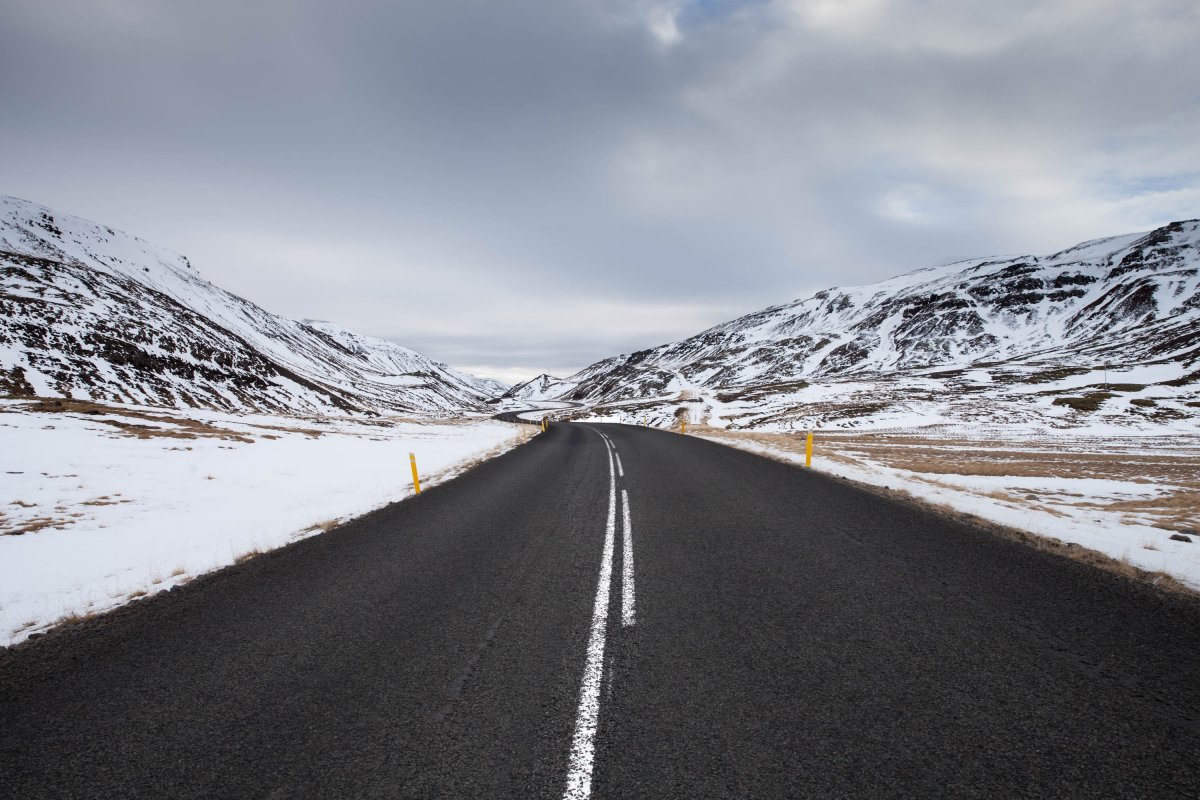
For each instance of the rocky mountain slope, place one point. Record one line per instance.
(1109, 326)
(543, 387)
(90, 312)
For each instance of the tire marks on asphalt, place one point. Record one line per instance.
(456, 687)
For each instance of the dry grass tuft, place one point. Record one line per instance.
(105, 500)
(74, 617)
(246, 556)
(11, 528)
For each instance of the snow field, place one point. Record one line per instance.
(109, 516)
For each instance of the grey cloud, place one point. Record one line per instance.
(522, 183)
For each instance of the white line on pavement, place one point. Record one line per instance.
(627, 593)
(583, 743)
(620, 469)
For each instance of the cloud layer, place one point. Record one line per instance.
(526, 186)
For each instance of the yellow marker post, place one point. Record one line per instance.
(412, 460)
(683, 426)
(808, 450)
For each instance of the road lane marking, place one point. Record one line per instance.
(628, 616)
(620, 469)
(583, 743)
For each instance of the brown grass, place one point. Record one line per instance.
(1089, 402)
(74, 617)
(177, 426)
(957, 456)
(311, 433)
(1178, 509)
(105, 500)
(33, 525)
(246, 556)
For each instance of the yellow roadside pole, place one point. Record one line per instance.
(808, 450)
(683, 426)
(412, 460)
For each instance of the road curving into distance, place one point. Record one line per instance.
(614, 612)
(552, 413)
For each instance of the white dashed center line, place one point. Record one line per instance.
(627, 593)
(587, 718)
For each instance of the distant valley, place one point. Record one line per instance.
(1105, 333)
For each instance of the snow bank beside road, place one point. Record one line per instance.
(1123, 498)
(99, 504)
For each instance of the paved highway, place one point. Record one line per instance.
(616, 612)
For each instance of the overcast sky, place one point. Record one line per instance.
(517, 187)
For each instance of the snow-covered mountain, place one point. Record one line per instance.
(543, 387)
(90, 312)
(996, 339)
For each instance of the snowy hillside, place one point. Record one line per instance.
(543, 387)
(1002, 339)
(90, 312)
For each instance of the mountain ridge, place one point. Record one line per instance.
(90, 311)
(1126, 301)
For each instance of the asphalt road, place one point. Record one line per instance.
(755, 630)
